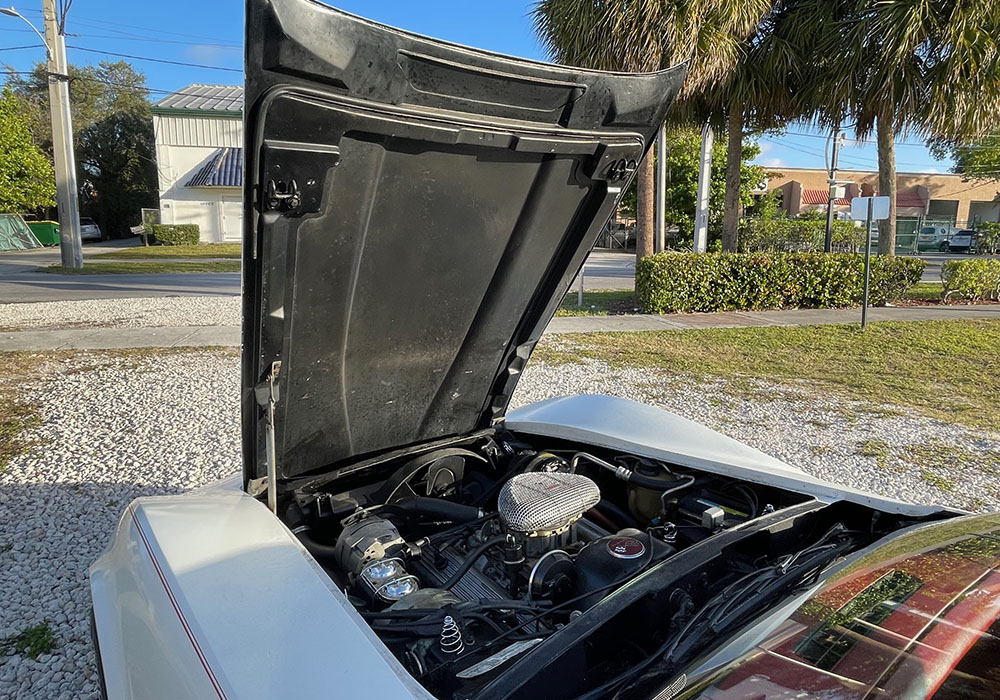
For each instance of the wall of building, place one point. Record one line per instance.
(932, 186)
(184, 143)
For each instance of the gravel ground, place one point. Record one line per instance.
(123, 313)
(119, 426)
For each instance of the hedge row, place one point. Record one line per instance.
(175, 234)
(668, 282)
(974, 280)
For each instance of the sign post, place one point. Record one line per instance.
(870, 209)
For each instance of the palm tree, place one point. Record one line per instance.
(896, 67)
(758, 94)
(643, 36)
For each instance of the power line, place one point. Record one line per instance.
(154, 60)
(105, 24)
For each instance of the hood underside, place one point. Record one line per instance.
(414, 213)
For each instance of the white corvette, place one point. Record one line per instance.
(415, 211)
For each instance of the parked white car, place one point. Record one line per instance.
(421, 209)
(89, 230)
(965, 241)
(935, 237)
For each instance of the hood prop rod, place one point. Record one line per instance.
(269, 400)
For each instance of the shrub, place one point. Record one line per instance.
(974, 280)
(668, 282)
(175, 234)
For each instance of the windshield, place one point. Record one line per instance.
(87, 222)
(927, 231)
(916, 618)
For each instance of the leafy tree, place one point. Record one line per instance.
(643, 36)
(897, 67)
(26, 177)
(683, 161)
(975, 160)
(113, 137)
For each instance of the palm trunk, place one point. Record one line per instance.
(887, 184)
(734, 158)
(645, 194)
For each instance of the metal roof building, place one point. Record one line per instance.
(199, 158)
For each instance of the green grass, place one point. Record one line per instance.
(142, 268)
(208, 250)
(601, 302)
(948, 370)
(924, 291)
(31, 642)
(879, 449)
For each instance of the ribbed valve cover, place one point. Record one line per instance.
(545, 502)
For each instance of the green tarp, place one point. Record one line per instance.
(15, 234)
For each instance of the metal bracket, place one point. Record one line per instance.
(267, 396)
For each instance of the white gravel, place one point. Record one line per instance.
(123, 313)
(116, 427)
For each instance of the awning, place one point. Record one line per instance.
(909, 199)
(820, 197)
(223, 169)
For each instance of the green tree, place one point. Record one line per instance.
(683, 160)
(974, 160)
(897, 67)
(113, 138)
(26, 178)
(643, 36)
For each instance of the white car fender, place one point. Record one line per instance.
(636, 428)
(208, 595)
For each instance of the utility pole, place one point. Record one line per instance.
(828, 240)
(70, 245)
(704, 188)
(659, 241)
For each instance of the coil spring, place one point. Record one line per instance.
(451, 637)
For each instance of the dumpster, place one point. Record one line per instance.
(47, 232)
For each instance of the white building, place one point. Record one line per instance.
(199, 157)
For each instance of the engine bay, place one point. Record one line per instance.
(495, 568)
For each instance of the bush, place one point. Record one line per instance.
(974, 280)
(175, 234)
(668, 282)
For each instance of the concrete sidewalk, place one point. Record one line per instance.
(229, 336)
(743, 319)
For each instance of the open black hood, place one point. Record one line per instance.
(414, 213)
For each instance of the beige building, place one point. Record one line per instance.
(919, 196)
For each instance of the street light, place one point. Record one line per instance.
(70, 245)
(11, 12)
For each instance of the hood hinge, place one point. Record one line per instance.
(267, 396)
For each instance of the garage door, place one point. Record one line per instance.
(232, 219)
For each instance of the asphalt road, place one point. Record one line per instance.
(20, 281)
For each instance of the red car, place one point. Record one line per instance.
(914, 618)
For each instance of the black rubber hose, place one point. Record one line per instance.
(319, 551)
(471, 559)
(615, 512)
(438, 509)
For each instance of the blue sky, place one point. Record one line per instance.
(210, 33)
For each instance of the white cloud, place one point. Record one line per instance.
(772, 162)
(212, 54)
